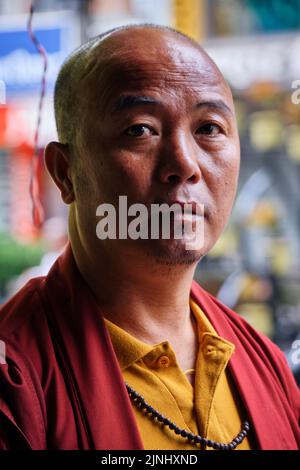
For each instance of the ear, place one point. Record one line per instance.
(57, 160)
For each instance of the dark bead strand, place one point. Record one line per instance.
(140, 403)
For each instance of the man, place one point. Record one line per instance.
(142, 112)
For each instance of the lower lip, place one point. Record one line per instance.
(188, 217)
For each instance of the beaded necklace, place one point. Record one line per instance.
(193, 439)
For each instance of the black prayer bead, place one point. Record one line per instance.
(153, 414)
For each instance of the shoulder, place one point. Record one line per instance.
(19, 308)
(258, 348)
(25, 345)
(24, 327)
(23, 322)
(230, 322)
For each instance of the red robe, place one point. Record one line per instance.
(62, 387)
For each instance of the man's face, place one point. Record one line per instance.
(159, 127)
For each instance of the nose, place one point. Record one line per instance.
(179, 159)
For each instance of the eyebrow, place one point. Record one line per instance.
(130, 101)
(218, 105)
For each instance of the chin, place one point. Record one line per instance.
(172, 252)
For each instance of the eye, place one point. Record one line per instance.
(210, 129)
(139, 130)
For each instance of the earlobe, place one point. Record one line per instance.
(57, 161)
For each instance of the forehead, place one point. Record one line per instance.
(150, 62)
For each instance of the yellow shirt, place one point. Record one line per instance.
(211, 408)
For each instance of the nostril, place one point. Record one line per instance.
(173, 178)
(192, 178)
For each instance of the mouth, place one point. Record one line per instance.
(189, 207)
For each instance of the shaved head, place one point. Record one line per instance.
(103, 54)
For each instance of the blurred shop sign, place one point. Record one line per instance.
(2, 92)
(20, 63)
(273, 58)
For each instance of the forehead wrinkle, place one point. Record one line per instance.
(112, 67)
(114, 78)
(163, 62)
(150, 44)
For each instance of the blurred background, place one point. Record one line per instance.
(255, 266)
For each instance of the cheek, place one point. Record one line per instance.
(225, 187)
(224, 190)
(221, 179)
(125, 173)
(222, 173)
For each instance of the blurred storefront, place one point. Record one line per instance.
(255, 267)
(21, 243)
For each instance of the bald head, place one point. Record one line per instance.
(93, 72)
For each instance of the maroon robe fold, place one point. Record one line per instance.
(62, 387)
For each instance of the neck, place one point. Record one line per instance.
(143, 301)
(148, 299)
